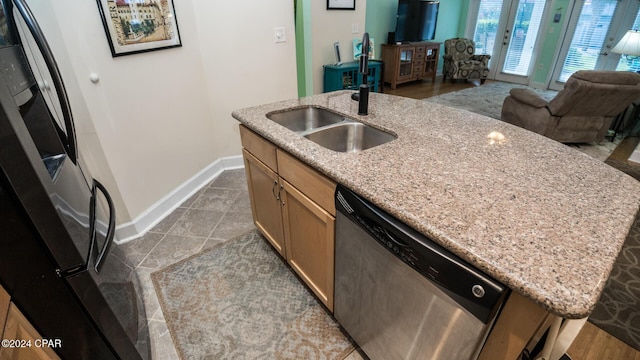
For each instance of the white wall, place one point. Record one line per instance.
(329, 26)
(155, 120)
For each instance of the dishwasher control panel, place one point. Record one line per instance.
(403, 251)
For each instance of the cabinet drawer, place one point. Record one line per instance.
(259, 147)
(4, 308)
(420, 50)
(310, 182)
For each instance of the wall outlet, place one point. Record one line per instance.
(355, 28)
(279, 34)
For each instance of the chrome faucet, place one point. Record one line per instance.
(363, 91)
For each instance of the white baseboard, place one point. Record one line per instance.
(635, 155)
(163, 207)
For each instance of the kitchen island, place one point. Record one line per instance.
(542, 218)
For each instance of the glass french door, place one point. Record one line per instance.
(594, 28)
(508, 30)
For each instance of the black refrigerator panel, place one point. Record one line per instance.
(28, 273)
(41, 170)
(73, 231)
(44, 68)
(110, 289)
(35, 130)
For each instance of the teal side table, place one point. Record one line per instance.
(345, 76)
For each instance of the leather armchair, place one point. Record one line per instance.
(460, 62)
(581, 112)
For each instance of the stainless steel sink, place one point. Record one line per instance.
(349, 137)
(330, 130)
(305, 119)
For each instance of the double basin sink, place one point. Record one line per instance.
(331, 130)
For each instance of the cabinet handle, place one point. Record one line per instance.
(280, 197)
(273, 190)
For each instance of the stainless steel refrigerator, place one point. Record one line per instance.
(57, 225)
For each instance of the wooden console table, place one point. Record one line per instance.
(410, 62)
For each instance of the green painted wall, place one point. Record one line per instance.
(304, 49)
(551, 38)
(380, 19)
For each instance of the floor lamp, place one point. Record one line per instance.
(629, 45)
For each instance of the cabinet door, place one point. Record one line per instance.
(431, 61)
(309, 233)
(4, 309)
(405, 65)
(264, 193)
(18, 328)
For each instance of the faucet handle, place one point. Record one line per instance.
(364, 54)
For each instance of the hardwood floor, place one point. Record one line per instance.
(591, 343)
(595, 344)
(425, 88)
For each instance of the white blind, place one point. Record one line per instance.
(487, 26)
(589, 36)
(523, 37)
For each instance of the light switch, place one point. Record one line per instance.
(355, 28)
(279, 34)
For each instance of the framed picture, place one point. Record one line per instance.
(357, 49)
(134, 26)
(341, 4)
(336, 51)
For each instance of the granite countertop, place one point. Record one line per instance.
(542, 218)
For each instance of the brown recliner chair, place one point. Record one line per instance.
(581, 112)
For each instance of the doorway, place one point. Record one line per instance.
(594, 28)
(508, 30)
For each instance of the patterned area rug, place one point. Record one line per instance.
(487, 100)
(618, 310)
(239, 300)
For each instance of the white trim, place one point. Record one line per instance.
(163, 207)
(635, 155)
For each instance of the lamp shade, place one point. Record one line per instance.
(629, 44)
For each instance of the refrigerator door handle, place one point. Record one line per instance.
(110, 230)
(52, 66)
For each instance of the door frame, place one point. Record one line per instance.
(507, 18)
(622, 21)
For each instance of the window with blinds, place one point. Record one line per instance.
(523, 37)
(589, 37)
(487, 26)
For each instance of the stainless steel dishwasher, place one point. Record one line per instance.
(400, 295)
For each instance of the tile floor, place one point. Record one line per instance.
(219, 211)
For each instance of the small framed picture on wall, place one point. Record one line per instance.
(341, 4)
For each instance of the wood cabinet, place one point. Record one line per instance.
(293, 207)
(410, 62)
(24, 340)
(265, 203)
(5, 299)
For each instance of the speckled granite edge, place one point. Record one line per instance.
(539, 216)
